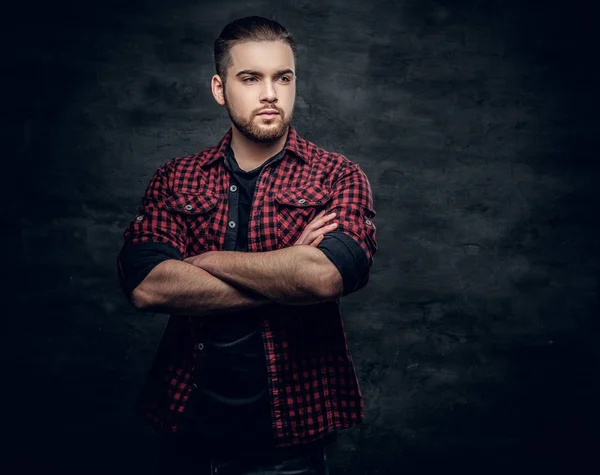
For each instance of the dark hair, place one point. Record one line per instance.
(243, 30)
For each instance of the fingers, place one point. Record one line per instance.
(320, 220)
(315, 237)
(317, 241)
(319, 233)
(313, 233)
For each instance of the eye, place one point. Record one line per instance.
(287, 79)
(247, 79)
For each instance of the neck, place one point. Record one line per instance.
(253, 153)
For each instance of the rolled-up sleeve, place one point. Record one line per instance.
(155, 234)
(135, 262)
(349, 259)
(352, 200)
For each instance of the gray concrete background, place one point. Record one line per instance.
(476, 122)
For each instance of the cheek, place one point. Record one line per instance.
(247, 104)
(240, 101)
(290, 98)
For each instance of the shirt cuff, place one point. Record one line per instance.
(135, 262)
(349, 258)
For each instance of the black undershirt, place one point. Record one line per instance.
(232, 378)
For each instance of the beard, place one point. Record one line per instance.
(259, 132)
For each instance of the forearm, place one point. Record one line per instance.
(299, 275)
(176, 287)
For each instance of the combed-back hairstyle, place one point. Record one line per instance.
(243, 30)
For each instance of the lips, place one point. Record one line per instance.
(268, 112)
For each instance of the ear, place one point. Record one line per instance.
(216, 86)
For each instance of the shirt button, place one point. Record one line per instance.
(369, 222)
(232, 224)
(188, 207)
(194, 385)
(200, 346)
(139, 218)
(233, 188)
(301, 201)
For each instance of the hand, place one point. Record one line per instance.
(316, 229)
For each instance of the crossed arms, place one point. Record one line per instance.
(222, 281)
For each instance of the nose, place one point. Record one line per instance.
(268, 92)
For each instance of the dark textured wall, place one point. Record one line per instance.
(476, 122)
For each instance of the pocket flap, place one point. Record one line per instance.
(189, 203)
(300, 197)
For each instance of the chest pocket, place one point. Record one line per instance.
(296, 208)
(197, 213)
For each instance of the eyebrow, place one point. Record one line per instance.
(281, 72)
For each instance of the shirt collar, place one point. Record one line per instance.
(294, 144)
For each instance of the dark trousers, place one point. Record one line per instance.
(185, 455)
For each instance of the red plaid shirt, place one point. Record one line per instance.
(312, 382)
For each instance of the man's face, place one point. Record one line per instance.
(261, 76)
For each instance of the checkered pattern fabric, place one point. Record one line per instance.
(312, 381)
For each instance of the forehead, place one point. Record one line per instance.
(262, 56)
